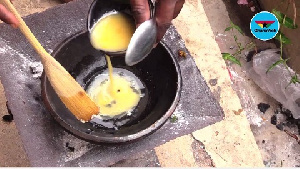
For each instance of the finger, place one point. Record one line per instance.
(178, 8)
(140, 10)
(7, 16)
(164, 15)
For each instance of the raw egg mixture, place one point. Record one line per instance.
(116, 93)
(112, 32)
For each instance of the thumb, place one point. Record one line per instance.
(8, 17)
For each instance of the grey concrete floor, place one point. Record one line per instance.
(277, 148)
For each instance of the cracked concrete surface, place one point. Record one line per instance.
(184, 151)
(229, 142)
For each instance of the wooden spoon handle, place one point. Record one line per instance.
(68, 90)
(26, 31)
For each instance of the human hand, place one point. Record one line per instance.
(165, 12)
(7, 17)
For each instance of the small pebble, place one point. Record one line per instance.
(72, 149)
(263, 107)
(181, 53)
(213, 82)
(8, 118)
(279, 127)
(274, 120)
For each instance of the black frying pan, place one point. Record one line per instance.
(159, 73)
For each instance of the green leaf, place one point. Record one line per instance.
(227, 56)
(284, 39)
(228, 28)
(294, 80)
(173, 119)
(277, 63)
(235, 37)
(236, 27)
(240, 46)
(287, 22)
(278, 15)
(250, 45)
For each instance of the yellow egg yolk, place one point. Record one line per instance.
(115, 95)
(113, 32)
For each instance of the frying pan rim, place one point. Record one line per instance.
(143, 133)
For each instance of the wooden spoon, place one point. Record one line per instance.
(69, 91)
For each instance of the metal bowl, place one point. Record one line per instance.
(99, 8)
(159, 73)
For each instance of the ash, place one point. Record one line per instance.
(36, 69)
(74, 147)
(181, 121)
